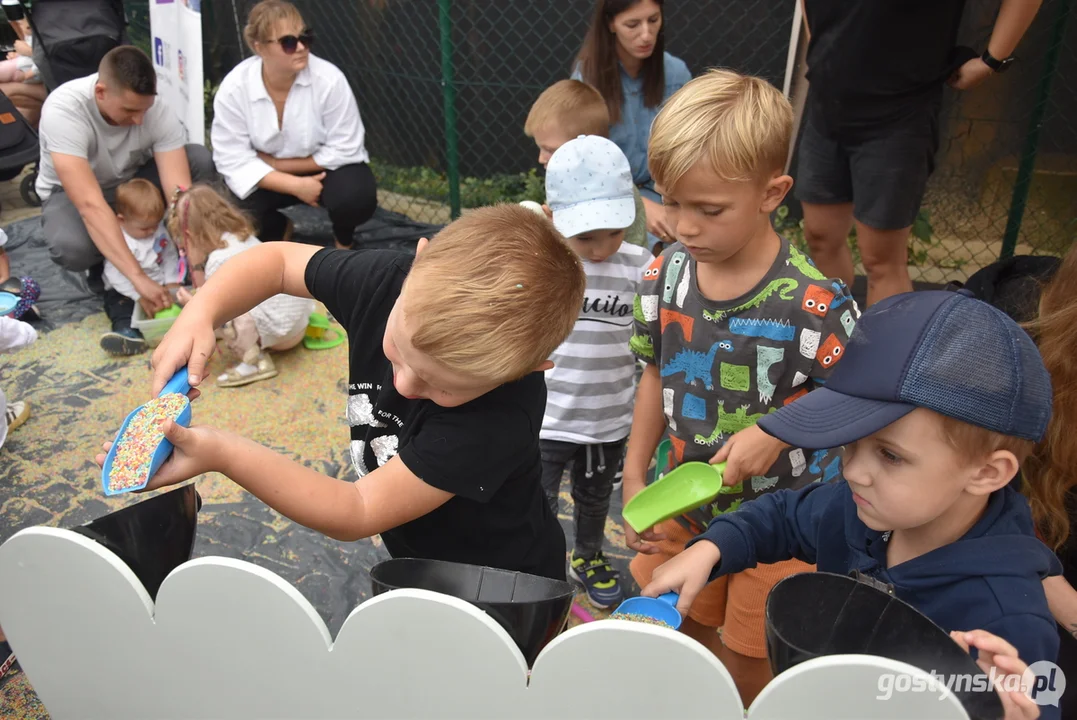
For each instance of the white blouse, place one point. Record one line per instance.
(321, 119)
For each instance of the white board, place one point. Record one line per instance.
(850, 687)
(228, 640)
(176, 39)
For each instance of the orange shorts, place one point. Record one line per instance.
(734, 603)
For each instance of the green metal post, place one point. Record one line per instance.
(1032, 141)
(448, 92)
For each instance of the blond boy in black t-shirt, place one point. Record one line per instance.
(445, 388)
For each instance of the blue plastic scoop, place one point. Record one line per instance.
(178, 384)
(662, 608)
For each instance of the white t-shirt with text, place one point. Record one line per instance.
(590, 389)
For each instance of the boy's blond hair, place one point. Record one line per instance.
(573, 107)
(140, 199)
(973, 443)
(741, 126)
(494, 293)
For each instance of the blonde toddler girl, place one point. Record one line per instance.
(211, 231)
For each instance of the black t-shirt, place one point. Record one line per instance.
(880, 61)
(485, 452)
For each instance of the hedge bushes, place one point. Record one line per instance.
(428, 184)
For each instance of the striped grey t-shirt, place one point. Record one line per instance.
(590, 389)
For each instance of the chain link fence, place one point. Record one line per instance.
(1006, 179)
(444, 87)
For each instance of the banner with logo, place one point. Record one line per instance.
(176, 28)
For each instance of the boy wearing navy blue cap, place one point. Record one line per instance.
(938, 399)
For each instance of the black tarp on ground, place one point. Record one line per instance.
(333, 576)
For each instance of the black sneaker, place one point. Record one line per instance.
(95, 279)
(123, 341)
(600, 581)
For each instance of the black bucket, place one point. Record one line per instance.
(152, 537)
(814, 614)
(532, 609)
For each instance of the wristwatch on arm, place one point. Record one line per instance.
(999, 66)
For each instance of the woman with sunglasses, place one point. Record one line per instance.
(286, 130)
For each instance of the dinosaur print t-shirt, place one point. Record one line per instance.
(724, 364)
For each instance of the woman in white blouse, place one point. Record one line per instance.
(286, 130)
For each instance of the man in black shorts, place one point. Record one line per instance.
(876, 72)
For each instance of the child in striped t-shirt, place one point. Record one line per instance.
(590, 389)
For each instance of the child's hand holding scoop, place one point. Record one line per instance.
(196, 450)
(685, 574)
(189, 343)
(141, 448)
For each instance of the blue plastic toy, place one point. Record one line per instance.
(178, 384)
(662, 608)
(7, 303)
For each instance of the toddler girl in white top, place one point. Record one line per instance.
(213, 231)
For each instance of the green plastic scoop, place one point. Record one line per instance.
(690, 486)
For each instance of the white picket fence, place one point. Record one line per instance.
(226, 639)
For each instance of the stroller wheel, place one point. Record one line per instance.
(28, 190)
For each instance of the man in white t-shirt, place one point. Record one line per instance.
(96, 133)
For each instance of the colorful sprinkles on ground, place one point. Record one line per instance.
(131, 464)
(646, 619)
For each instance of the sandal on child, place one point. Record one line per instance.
(16, 414)
(236, 377)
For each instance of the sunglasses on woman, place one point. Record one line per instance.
(290, 43)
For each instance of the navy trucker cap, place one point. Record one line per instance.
(939, 350)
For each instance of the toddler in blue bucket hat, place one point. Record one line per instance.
(938, 399)
(590, 388)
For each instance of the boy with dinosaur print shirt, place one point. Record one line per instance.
(733, 322)
(724, 365)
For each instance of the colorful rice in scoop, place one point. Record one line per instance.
(645, 619)
(134, 451)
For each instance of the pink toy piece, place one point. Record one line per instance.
(582, 614)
